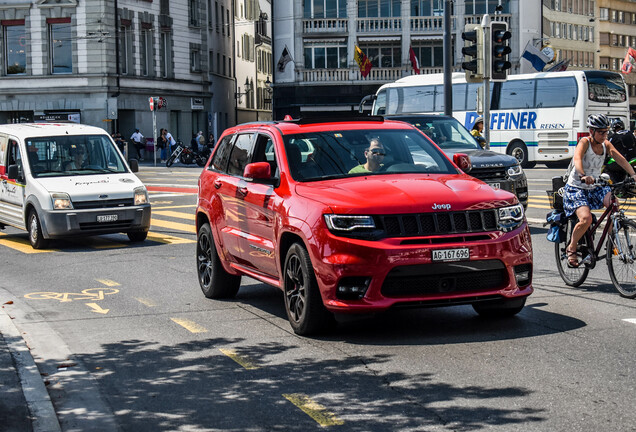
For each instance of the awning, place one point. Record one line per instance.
(379, 38)
(426, 37)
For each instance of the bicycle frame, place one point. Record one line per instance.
(609, 211)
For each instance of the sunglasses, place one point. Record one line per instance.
(603, 132)
(377, 152)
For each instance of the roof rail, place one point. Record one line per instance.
(331, 119)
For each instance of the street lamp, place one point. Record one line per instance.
(248, 88)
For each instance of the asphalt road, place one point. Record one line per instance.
(126, 341)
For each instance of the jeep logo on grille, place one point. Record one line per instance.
(441, 206)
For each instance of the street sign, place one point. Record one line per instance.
(151, 102)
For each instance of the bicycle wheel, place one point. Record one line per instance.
(620, 259)
(572, 276)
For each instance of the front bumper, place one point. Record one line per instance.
(65, 223)
(401, 272)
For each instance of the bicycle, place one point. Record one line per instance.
(620, 255)
(186, 155)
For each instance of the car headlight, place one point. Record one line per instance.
(515, 170)
(509, 218)
(61, 201)
(141, 195)
(345, 223)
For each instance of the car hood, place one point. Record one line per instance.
(93, 187)
(405, 193)
(484, 158)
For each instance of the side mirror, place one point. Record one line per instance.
(13, 172)
(463, 162)
(367, 98)
(258, 171)
(134, 165)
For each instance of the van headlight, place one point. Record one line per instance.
(141, 195)
(61, 201)
(509, 218)
(515, 170)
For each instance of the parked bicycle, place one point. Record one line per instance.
(185, 155)
(620, 233)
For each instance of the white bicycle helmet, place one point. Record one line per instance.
(598, 121)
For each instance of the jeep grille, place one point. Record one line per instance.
(423, 224)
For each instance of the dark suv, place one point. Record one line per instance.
(498, 170)
(356, 216)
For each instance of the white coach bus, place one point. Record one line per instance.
(535, 117)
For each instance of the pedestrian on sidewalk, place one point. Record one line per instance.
(138, 140)
(162, 143)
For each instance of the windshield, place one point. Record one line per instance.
(605, 87)
(73, 155)
(447, 133)
(337, 154)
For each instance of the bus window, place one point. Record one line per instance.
(439, 98)
(411, 99)
(605, 87)
(379, 108)
(471, 96)
(517, 94)
(556, 92)
(459, 97)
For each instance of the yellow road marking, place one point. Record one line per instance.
(168, 239)
(21, 244)
(244, 361)
(174, 225)
(146, 302)
(313, 409)
(174, 214)
(191, 326)
(97, 308)
(108, 282)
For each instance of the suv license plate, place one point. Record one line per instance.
(495, 185)
(107, 218)
(451, 254)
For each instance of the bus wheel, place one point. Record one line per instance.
(520, 152)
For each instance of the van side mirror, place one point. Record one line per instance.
(134, 165)
(13, 172)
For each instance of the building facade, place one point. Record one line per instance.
(321, 36)
(97, 62)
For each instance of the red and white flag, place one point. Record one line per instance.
(630, 59)
(414, 61)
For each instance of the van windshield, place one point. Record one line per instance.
(73, 155)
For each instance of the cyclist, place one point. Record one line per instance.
(580, 193)
(623, 140)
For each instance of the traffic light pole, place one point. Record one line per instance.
(485, 28)
(154, 135)
(448, 77)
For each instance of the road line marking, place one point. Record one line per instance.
(174, 207)
(97, 308)
(22, 245)
(108, 282)
(168, 239)
(244, 361)
(189, 216)
(630, 320)
(146, 302)
(313, 409)
(191, 326)
(174, 225)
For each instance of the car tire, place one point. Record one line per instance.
(520, 152)
(36, 238)
(305, 310)
(499, 308)
(215, 281)
(137, 236)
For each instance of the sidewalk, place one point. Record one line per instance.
(24, 401)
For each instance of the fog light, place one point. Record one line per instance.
(523, 274)
(353, 288)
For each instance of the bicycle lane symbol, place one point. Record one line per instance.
(91, 294)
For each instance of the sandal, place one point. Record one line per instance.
(573, 261)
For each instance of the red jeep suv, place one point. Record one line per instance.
(356, 215)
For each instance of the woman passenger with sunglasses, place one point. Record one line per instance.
(580, 194)
(374, 154)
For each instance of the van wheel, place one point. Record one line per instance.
(520, 152)
(303, 303)
(137, 236)
(215, 282)
(36, 238)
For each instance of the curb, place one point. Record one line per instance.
(35, 393)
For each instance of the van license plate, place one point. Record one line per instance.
(451, 254)
(106, 218)
(495, 185)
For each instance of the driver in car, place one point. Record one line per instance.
(375, 154)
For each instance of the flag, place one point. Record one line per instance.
(414, 61)
(535, 57)
(630, 59)
(285, 58)
(560, 66)
(363, 61)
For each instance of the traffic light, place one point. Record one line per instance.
(499, 41)
(473, 52)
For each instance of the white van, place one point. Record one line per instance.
(61, 180)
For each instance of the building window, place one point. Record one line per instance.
(164, 7)
(430, 54)
(326, 56)
(211, 62)
(325, 9)
(223, 20)
(479, 7)
(166, 55)
(385, 56)
(146, 52)
(61, 51)
(15, 49)
(193, 11)
(378, 8)
(227, 12)
(125, 49)
(195, 58)
(216, 16)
